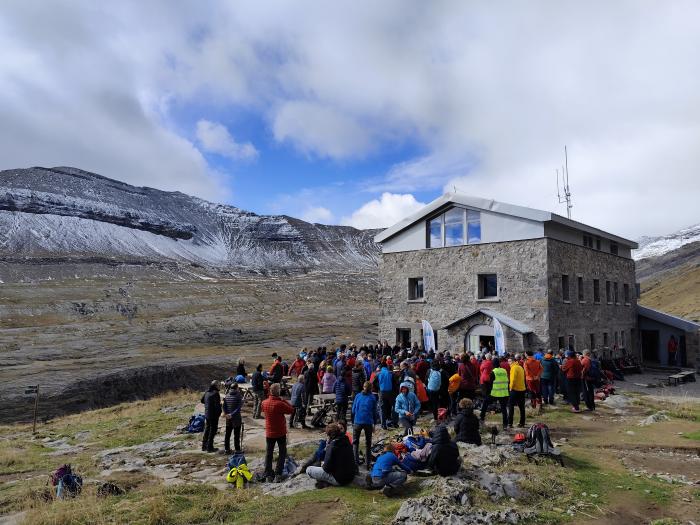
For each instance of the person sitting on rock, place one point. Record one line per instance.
(467, 424)
(338, 466)
(407, 407)
(384, 476)
(444, 455)
(233, 403)
(212, 412)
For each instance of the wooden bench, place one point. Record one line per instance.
(682, 377)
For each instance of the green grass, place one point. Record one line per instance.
(692, 435)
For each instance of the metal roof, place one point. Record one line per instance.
(491, 205)
(663, 317)
(503, 319)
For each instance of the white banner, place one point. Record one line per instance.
(428, 337)
(499, 337)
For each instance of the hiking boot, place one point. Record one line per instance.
(212, 450)
(368, 481)
(228, 452)
(388, 491)
(278, 479)
(269, 479)
(575, 410)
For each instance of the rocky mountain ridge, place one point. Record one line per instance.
(68, 212)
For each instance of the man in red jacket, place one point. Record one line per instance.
(275, 408)
(573, 369)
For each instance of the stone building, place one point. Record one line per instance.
(552, 283)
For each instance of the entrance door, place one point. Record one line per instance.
(650, 345)
(403, 337)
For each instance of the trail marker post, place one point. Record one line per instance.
(33, 390)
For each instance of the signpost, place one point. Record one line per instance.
(34, 389)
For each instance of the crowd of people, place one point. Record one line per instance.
(393, 387)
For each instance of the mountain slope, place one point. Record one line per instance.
(660, 245)
(67, 212)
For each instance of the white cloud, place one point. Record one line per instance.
(317, 214)
(383, 212)
(215, 138)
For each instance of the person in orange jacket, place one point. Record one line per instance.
(533, 371)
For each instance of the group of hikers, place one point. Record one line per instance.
(392, 387)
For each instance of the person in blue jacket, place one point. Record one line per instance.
(364, 417)
(386, 393)
(407, 407)
(385, 476)
(342, 392)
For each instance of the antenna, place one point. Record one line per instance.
(566, 198)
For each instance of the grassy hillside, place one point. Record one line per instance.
(676, 292)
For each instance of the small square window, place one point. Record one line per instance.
(488, 286)
(565, 287)
(415, 288)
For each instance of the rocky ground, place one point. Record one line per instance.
(634, 460)
(127, 333)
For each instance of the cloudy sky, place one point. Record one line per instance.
(358, 112)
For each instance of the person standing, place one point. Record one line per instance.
(550, 372)
(517, 392)
(328, 381)
(386, 394)
(573, 371)
(297, 399)
(590, 377)
(212, 412)
(257, 385)
(499, 391)
(467, 385)
(407, 407)
(533, 372)
(233, 403)
(342, 393)
(275, 408)
(672, 348)
(434, 383)
(364, 413)
(310, 386)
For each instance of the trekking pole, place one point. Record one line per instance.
(34, 389)
(242, 434)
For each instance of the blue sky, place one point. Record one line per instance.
(360, 112)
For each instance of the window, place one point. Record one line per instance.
(592, 336)
(572, 342)
(415, 288)
(488, 286)
(588, 241)
(597, 243)
(613, 248)
(581, 296)
(435, 232)
(473, 226)
(622, 338)
(605, 339)
(454, 227)
(565, 287)
(561, 343)
(596, 291)
(615, 334)
(608, 293)
(626, 292)
(615, 294)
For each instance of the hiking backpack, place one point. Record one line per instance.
(196, 424)
(236, 460)
(319, 419)
(69, 486)
(58, 474)
(594, 371)
(539, 441)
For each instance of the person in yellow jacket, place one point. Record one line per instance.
(517, 391)
(453, 390)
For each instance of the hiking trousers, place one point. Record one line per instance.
(282, 455)
(341, 412)
(502, 404)
(394, 479)
(259, 396)
(547, 391)
(319, 474)
(387, 405)
(236, 428)
(356, 431)
(589, 394)
(573, 394)
(533, 385)
(433, 397)
(407, 425)
(211, 426)
(298, 416)
(517, 397)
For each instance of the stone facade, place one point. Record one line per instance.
(529, 291)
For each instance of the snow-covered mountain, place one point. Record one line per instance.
(656, 246)
(67, 212)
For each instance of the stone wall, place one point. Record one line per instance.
(582, 318)
(450, 288)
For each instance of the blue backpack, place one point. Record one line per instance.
(69, 486)
(196, 424)
(236, 460)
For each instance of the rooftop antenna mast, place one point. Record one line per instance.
(566, 196)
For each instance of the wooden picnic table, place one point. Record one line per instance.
(681, 377)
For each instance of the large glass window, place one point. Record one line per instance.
(454, 227)
(473, 226)
(435, 232)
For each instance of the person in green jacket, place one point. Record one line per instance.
(499, 392)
